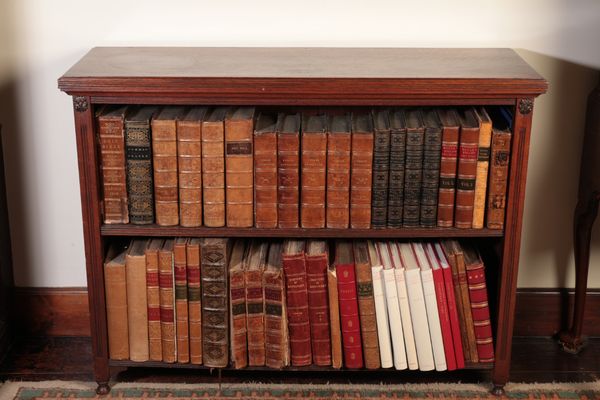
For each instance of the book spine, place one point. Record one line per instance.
(313, 177)
(453, 312)
(265, 180)
(396, 181)
(481, 180)
(239, 173)
(239, 330)
(334, 320)
(194, 302)
(255, 317)
(116, 312)
(140, 190)
(153, 299)
(213, 174)
(444, 318)
(383, 327)
(418, 312)
(381, 175)
(112, 156)
(407, 325)
(467, 310)
(137, 309)
(481, 313)
(297, 307)
(338, 180)
(288, 179)
(189, 158)
(500, 157)
(368, 319)
(350, 323)
(449, 157)
(318, 307)
(167, 306)
(460, 309)
(433, 320)
(432, 150)
(466, 174)
(413, 178)
(181, 303)
(275, 333)
(361, 177)
(400, 361)
(164, 152)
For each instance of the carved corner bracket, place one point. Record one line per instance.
(80, 103)
(525, 106)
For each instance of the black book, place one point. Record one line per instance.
(432, 153)
(413, 168)
(381, 168)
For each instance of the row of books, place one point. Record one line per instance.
(219, 302)
(239, 167)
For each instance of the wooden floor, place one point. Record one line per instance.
(534, 360)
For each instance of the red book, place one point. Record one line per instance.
(467, 169)
(318, 301)
(350, 322)
(294, 268)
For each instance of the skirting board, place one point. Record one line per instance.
(64, 311)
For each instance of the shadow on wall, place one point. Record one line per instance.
(553, 176)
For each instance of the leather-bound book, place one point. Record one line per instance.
(265, 169)
(111, 132)
(349, 317)
(317, 262)
(153, 299)
(181, 300)
(194, 301)
(138, 153)
(313, 177)
(164, 157)
(499, 160)
(361, 167)
(397, 168)
(167, 302)
(277, 351)
(479, 304)
(334, 318)
(255, 302)
(213, 167)
(483, 163)
(366, 305)
(413, 172)
(447, 190)
(338, 171)
(116, 303)
(381, 168)
(215, 254)
(467, 168)
(239, 167)
(294, 266)
(432, 149)
(137, 309)
(189, 165)
(237, 305)
(288, 172)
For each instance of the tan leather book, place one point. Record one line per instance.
(153, 299)
(137, 309)
(213, 167)
(181, 300)
(265, 170)
(237, 305)
(239, 167)
(313, 177)
(167, 302)
(338, 171)
(116, 303)
(288, 172)
(194, 300)
(483, 163)
(189, 164)
(361, 171)
(164, 157)
(334, 318)
(255, 302)
(277, 349)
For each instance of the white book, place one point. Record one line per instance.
(383, 328)
(418, 312)
(407, 328)
(391, 296)
(433, 317)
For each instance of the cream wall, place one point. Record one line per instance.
(40, 39)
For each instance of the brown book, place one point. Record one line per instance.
(116, 303)
(189, 165)
(194, 301)
(499, 161)
(432, 149)
(265, 169)
(483, 163)
(111, 132)
(153, 299)
(313, 177)
(338, 171)
(215, 254)
(381, 168)
(395, 203)
(277, 351)
(213, 167)
(450, 136)
(317, 262)
(288, 172)
(181, 300)
(168, 328)
(413, 168)
(361, 171)
(237, 305)
(137, 309)
(334, 318)
(255, 302)
(366, 305)
(467, 168)
(239, 167)
(164, 156)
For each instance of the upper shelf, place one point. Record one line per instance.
(302, 75)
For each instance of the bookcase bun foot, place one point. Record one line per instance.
(498, 390)
(102, 388)
(571, 343)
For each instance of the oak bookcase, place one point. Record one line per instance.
(296, 77)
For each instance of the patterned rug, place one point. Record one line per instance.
(132, 391)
